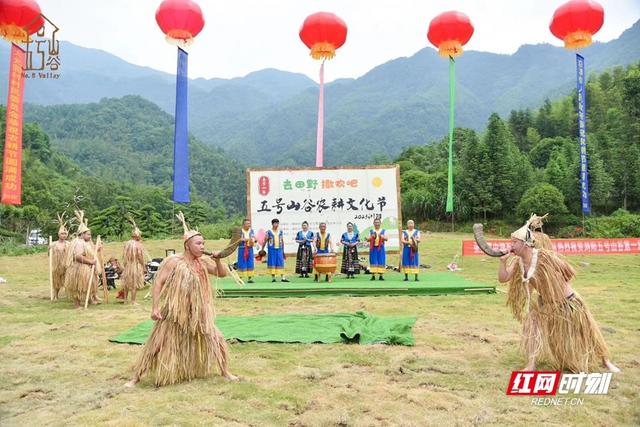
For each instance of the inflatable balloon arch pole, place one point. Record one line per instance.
(323, 33)
(19, 19)
(575, 23)
(448, 32)
(181, 21)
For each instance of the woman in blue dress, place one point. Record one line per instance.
(410, 255)
(350, 263)
(275, 247)
(377, 253)
(245, 251)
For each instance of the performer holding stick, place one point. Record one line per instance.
(557, 323)
(81, 280)
(184, 343)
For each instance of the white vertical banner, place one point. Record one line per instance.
(332, 195)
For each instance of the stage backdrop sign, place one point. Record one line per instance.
(332, 195)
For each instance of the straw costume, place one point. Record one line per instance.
(80, 257)
(134, 259)
(59, 250)
(557, 323)
(184, 343)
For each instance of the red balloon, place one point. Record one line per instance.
(19, 19)
(449, 31)
(323, 33)
(180, 20)
(576, 21)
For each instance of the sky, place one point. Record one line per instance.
(242, 36)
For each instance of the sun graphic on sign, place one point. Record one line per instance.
(377, 182)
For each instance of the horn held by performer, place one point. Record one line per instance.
(478, 234)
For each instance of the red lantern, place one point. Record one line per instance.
(323, 33)
(180, 20)
(449, 31)
(19, 19)
(576, 21)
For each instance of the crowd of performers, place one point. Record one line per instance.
(312, 245)
(184, 344)
(77, 265)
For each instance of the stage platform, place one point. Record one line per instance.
(429, 284)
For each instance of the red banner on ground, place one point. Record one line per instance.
(568, 246)
(12, 161)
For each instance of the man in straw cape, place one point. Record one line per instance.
(58, 253)
(82, 265)
(134, 258)
(184, 343)
(556, 321)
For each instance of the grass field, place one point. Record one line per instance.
(57, 367)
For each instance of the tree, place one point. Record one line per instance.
(540, 199)
(510, 172)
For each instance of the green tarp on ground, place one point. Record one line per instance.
(359, 328)
(431, 283)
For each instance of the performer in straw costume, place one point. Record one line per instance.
(557, 323)
(134, 265)
(410, 254)
(58, 253)
(82, 265)
(184, 343)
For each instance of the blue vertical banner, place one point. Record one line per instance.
(181, 137)
(582, 134)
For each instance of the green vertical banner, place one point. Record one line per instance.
(452, 108)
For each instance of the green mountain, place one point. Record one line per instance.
(130, 140)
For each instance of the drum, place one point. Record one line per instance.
(325, 263)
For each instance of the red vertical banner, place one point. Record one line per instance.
(12, 161)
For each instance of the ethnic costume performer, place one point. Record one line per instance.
(82, 265)
(304, 257)
(275, 255)
(556, 321)
(410, 255)
(245, 251)
(184, 343)
(134, 265)
(377, 253)
(58, 253)
(350, 261)
(323, 246)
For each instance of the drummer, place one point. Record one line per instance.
(323, 246)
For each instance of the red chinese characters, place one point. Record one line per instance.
(263, 185)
